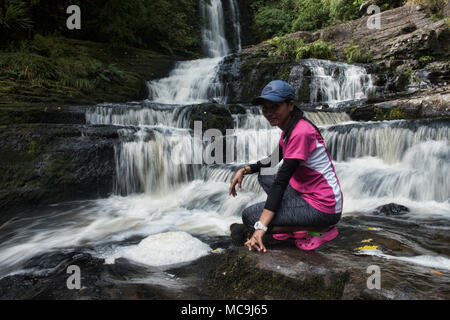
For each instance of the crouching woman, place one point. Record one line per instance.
(304, 198)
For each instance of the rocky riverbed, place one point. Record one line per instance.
(338, 270)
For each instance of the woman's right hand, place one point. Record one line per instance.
(237, 179)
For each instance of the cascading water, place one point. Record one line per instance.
(334, 83)
(196, 81)
(236, 20)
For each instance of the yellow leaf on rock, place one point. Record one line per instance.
(367, 240)
(436, 272)
(368, 248)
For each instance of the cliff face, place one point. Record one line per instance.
(409, 57)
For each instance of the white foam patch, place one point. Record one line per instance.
(437, 262)
(164, 249)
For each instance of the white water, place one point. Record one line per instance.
(195, 81)
(236, 19)
(334, 83)
(437, 262)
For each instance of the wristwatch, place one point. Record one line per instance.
(259, 226)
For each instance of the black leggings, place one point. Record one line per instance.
(293, 211)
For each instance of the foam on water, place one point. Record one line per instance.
(164, 249)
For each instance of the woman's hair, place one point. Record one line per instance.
(296, 116)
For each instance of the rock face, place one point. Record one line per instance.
(430, 103)
(336, 270)
(409, 54)
(45, 163)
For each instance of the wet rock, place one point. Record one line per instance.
(333, 271)
(50, 163)
(237, 109)
(98, 281)
(429, 103)
(212, 116)
(239, 234)
(276, 275)
(392, 209)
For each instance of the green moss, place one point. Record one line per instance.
(380, 114)
(238, 278)
(397, 113)
(354, 53)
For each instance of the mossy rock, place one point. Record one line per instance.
(212, 116)
(243, 276)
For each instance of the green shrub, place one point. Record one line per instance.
(354, 54)
(293, 48)
(52, 61)
(270, 22)
(284, 46)
(323, 50)
(426, 59)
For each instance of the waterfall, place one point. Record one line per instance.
(156, 164)
(388, 140)
(195, 81)
(236, 19)
(213, 32)
(333, 82)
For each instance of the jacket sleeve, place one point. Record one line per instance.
(279, 185)
(267, 162)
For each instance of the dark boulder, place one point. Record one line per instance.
(392, 209)
(212, 116)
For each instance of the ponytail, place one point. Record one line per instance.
(296, 116)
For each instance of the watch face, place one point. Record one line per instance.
(260, 226)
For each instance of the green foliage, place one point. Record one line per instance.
(426, 59)
(322, 50)
(46, 61)
(14, 15)
(276, 18)
(170, 26)
(271, 21)
(354, 54)
(310, 15)
(285, 47)
(293, 48)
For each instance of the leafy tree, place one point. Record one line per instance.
(311, 15)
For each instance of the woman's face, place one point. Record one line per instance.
(278, 113)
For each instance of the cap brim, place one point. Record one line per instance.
(260, 100)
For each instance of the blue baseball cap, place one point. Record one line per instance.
(276, 91)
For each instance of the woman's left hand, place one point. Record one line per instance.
(256, 241)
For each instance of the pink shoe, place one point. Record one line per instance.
(285, 236)
(315, 240)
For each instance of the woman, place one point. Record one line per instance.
(304, 198)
